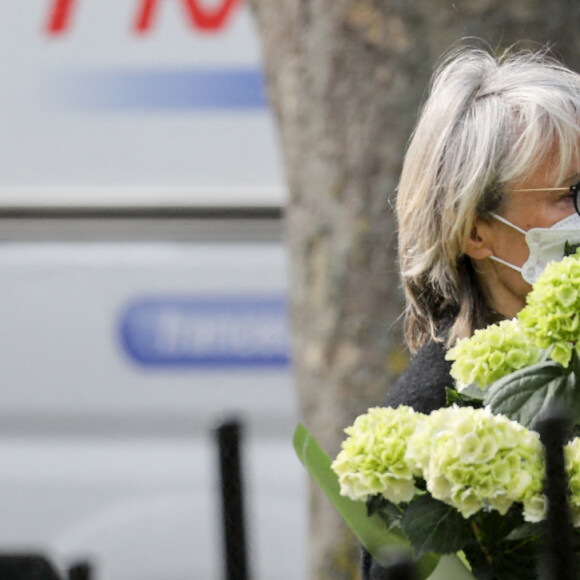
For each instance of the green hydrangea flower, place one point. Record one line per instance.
(473, 460)
(492, 353)
(572, 459)
(551, 315)
(373, 457)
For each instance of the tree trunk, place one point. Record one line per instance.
(345, 80)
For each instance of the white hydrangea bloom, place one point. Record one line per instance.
(373, 458)
(472, 459)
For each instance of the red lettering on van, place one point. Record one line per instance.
(209, 19)
(59, 16)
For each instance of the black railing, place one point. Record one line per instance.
(228, 436)
(31, 566)
(80, 571)
(558, 560)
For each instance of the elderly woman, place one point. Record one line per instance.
(488, 195)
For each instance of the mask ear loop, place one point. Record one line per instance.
(508, 223)
(518, 229)
(516, 268)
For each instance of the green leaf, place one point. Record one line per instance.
(467, 398)
(474, 392)
(370, 530)
(389, 512)
(510, 544)
(525, 531)
(517, 560)
(494, 527)
(452, 567)
(570, 249)
(575, 362)
(505, 547)
(433, 526)
(525, 394)
(375, 503)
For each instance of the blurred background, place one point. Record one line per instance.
(143, 286)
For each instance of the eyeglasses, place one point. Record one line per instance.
(574, 190)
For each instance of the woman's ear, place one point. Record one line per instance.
(478, 245)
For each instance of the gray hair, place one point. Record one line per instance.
(487, 124)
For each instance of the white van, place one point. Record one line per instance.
(137, 308)
(118, 361)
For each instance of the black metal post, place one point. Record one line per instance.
(80, 571)
(401, 568)
(558, 561)
(27, 566)
(234, 530)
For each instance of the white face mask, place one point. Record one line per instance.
(545, 244)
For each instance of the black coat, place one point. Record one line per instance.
(422, 387)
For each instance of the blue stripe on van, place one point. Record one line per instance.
(206, 332)
(151, 90)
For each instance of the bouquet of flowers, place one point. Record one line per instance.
(468, 478)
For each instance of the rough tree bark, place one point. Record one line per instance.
(345, 79)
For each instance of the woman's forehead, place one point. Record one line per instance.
(550, 170)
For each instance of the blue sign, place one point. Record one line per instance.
(207, 332)
(236, 89)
